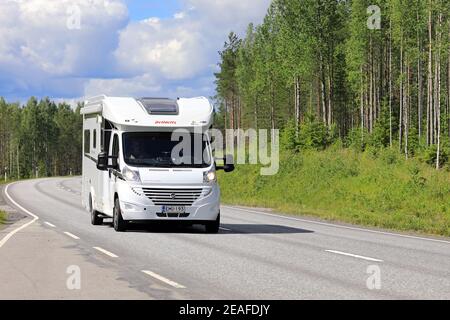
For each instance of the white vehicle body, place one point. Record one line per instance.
(147, 189)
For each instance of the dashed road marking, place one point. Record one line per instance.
(112, 255)
(71, 235)
(354, 255)
(164, 279)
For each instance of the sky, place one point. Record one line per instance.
(72, 49)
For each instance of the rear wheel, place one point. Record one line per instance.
(96, 220)
(213, 226)
(120, 225)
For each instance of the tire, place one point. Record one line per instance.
(96, 220)
(119, 224)
(213, 226)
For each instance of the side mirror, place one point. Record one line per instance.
(228, 165)
(102, 161)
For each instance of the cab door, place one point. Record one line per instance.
(112, 176)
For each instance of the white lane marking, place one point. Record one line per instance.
(338, 226)
(225, 229)
(71, 235)
(35, 218)
(354, 255)
(112, 255)
(163, 279)
(50, 224)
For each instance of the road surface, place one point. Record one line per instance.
(256, 255)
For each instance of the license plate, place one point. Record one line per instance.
(174, 209)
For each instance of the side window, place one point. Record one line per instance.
(106, 140)
(115, 149)
(95, 139)
(87, 141)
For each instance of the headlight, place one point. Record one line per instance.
(131, 175)
(209, 176)
(131, 207)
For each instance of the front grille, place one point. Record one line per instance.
(173, 197)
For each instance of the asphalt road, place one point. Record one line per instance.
(256, 255)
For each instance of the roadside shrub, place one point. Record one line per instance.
(380, 137)
(288, 138)
(413, 142)
(313, 134)
(390, 156)
(357, 139)
(417, 180)
(429, 155)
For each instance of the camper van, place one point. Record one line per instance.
(150, 159)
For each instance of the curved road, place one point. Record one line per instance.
(256, 255)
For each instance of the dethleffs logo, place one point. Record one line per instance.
(159, 122)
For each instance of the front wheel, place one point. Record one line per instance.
(120, 225)
(96, 220)
(213, 226)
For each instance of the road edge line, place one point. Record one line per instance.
(13, 232)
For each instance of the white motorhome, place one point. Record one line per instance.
(134, 169)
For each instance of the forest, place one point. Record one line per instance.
(365, 74)
(325, 72)
(39, 139)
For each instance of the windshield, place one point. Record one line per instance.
(156, 149)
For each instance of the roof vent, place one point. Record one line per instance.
(160, 106)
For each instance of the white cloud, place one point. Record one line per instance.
(179, 15)
(109, 54)
(183, 47)
(224, 15)
(164, 48)
(38, 51)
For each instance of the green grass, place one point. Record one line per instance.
(3, 214)
(2, 217)
(381, 190)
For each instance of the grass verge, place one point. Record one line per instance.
(379, 189)
(2, 217)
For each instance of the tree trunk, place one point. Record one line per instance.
(448, 86)
(419, 83)
(225, 126)
(400, 126)
(18, 162)
(297, 106)
(330, 96)
(430, 79)
(272, 111)
(390, 84)
(362, 106)
(406, 109)
(256, 111)
(323, 90)
(438, 93)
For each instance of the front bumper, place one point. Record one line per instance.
(136, 206)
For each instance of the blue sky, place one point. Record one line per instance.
(71, 49)
(142, 9)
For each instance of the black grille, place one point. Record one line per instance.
(172, 215)
(173, 197)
